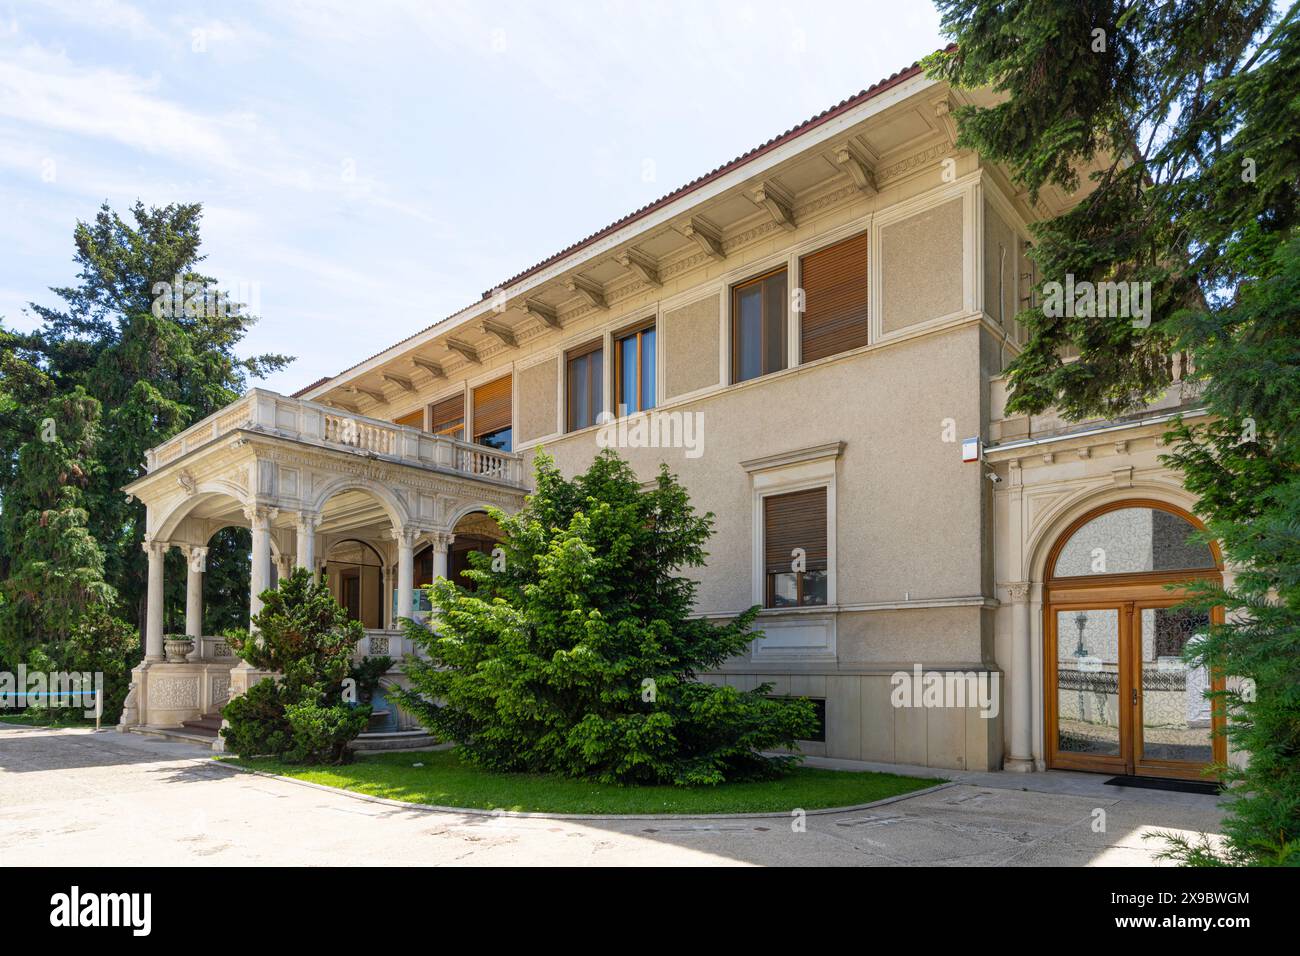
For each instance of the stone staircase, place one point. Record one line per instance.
(209, 725)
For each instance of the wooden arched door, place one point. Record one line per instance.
(1117, 694)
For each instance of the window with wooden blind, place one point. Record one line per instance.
(834, 282)
(758, 327)
(448, 417)
(585, 385)
(634, 370)
(795, 557)
(414, 420)
(492, 409)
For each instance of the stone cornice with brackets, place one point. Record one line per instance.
(837, 190)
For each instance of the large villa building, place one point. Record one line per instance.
(814, 338)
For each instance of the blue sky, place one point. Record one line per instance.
(368, 168)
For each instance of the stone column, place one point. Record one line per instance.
(306, 543)
(442, 543)
(1038, 733)
(284, 566)
(196, 564)
(405, 570)
(153, 628)
(387, 616)
(1021, 691)
(260, 577)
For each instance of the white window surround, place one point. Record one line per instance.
(808, 635)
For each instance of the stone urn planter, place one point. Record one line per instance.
(177, 649)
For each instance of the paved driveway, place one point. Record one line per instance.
(74, 797)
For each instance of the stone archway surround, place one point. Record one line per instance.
(1047, 486)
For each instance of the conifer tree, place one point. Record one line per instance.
(1189, 114)
(576, 650)
(58, 610)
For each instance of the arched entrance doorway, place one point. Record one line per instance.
(1119, 698)
(475, 531)
(355, 572)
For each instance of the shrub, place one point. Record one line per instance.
(306, 638)
(366, 674)
(259, 726)
(579, 655)
(321, 734)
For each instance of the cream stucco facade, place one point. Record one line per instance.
(931, 563)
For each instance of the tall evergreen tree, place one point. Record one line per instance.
(1190, 114)
(58, 610)
(154, 367)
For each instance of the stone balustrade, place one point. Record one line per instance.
(325, 427)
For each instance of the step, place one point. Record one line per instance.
(394, 740)
(209, 725)
(177, 735)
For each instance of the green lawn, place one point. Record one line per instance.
(446, 780)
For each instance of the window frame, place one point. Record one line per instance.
(463, 395)
(800, 316)
(596, 384)
(471, 425)
(619, 339)
(769, 577)
(733, 336)
(800, 470)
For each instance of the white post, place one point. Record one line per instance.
(405, 571)
(1021, 690)
(260, 577)
(153, 631)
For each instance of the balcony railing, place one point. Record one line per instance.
(1004, 427)
(315, 424)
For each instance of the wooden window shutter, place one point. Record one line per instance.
(415, 419)
(492, 406)
(794, 520)
(834, 283)
(448, 414)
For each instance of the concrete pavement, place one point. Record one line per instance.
(75, 797)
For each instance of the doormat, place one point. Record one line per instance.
(1164, 783)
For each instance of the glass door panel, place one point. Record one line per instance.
(1175, 717)
(1088, 711)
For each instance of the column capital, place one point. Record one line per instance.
(441, 540)
(1018, 591)
(405, 536)
(151, 545)
(197, 557)
(261, 516)
(308, 520)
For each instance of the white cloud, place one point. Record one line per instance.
(108, 15)
(48, 90)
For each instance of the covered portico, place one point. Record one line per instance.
(312, 483)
